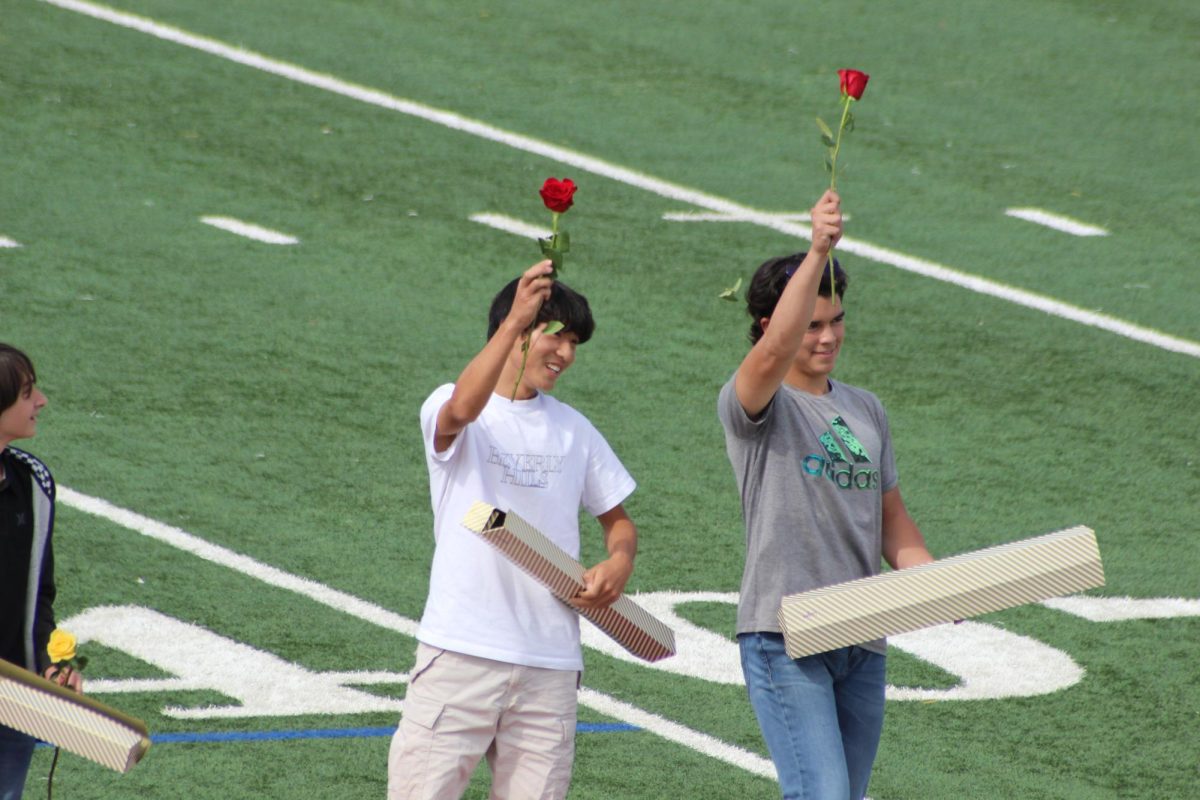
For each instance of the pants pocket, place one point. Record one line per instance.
(422, 711)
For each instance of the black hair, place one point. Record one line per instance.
(565, 305)
(769, 281)
(16, 375)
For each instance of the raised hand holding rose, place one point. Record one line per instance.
(852, 83)
(557, 196)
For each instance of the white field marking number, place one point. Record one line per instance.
(263, 684)
(990, 662)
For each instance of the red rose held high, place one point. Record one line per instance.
(854, 83)
(558, 195)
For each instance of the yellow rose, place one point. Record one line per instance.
(62, 646)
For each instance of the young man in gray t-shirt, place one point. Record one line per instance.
(820, 497)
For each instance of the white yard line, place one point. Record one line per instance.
(189, 543)
(6, 242)
(369, 612)
(596, 166)
(706, 216)
(249, 230)
(510, 225)
(1056, 221)
(674, 732)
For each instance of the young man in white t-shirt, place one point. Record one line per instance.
(498, 657)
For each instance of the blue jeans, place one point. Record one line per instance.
(16, 751)
(820, 715)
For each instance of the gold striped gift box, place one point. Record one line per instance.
(627, 623)
(995, 578)
(74, 722)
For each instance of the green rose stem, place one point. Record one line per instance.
(50, 777)
(555, 262)
(555, 245)
(837, 146)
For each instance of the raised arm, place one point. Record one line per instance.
(477, 381)
(766, 365)
(604, 582)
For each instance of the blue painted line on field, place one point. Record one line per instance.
(339, 733)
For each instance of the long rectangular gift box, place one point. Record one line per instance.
(74, 722)
(979, 582)
(627, 623)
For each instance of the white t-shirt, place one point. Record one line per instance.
(541, 459)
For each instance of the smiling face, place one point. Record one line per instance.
(818, 354)
(19, 420)
(549, 356)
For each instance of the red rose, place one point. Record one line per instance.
(558, 195)
(854, 83)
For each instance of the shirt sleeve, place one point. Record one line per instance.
(429, 414)
(607, 482)
(734, 418)
(44, 623)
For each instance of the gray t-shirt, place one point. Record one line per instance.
(811, 471)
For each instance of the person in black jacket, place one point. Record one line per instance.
(26, 558)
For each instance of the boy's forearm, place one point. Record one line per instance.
(766, 365)
(477, 382)
(604, 582)
(621, 540)
(794, 311)
(903, 544)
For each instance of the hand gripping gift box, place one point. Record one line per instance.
(624, 621)
(945, 590)
(74, 722)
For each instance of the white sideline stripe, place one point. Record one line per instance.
(511, 225)
(6, 242)
(630, 177)
(1056, 221)
(674, 732)
(249, 230)
(705, 216)
(355, 607)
